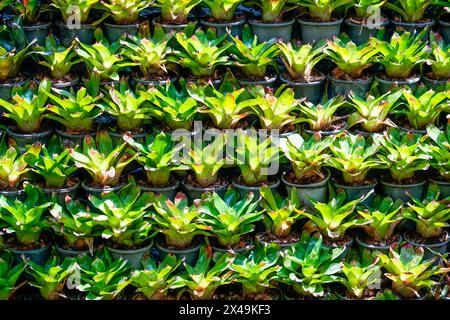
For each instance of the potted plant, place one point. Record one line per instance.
(180, 224)
(257, 270)
(104, 161)
(76, 112)
(125, 222)
(422, 108)
(309, 267)
(124, 15)
(26, 220)
(409, 272)
(365, 20)
(371, 114)
(150, 54)
(272, 23)
(402, 155)
(438, 149)
(203, 278)
(308, 157)
(27, 110)
(76, 225)
(431, 216)
(50, 278)
(10, 273)
(321, 117)
(156, 156)
(300, 61)
(321, 22)
(205, 161)
(439, 64)
(279, 217)
(355, 157)
(444, 26)
(253, 59)
(54, 165)
(333, 219)
(352, 62)
(202, 53)
(231, 220)
(223, 18)
(174, 14)
(155, 280)
(82, 28)
(59, 60)
(399, 57)
(257, 159)
(411, 14)
(384, 215)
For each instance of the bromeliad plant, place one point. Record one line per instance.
(307, 156)
(125, 11)
(300, 59)
(124, 217)
(201, 53)
(323, 10)
(439, 150)
(365, 9)
(222, 10)
(252, 58)
(179, 222)
(25, 218)
(371, 113)
(10, 272)
(176, 11)
(208, 274)
(439, 59)
(411, 10)
(155, 280)
(28, 106)
(279, 211)
(84, 8)
(402, 154)
(29, 11)
(409, 272)
(321, 117)
(273, 10)
(430, 215)
(102, 159)
(354, 156)
(230, 218)
(308, 266)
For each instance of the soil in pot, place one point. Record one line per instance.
(284, 242)
(266, 31)
(222, 27)
(71, 190)
(410, 188)
(311, 90)
(437, 244)
(366, 242)
(37, 253)
(386, 84)
(189, 254)
(194, 190)
(133, 256)
(342, 84)
(170, 190)
(354, 192)
(69, 81)
(313, 188)
(360, 31)
(315, 30)
(245, 244)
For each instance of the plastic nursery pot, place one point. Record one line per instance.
(70, 253)
(133, 257)
(85, 33)
(266, 31)
(169, 191)
(312, 91)
(385, 84)
(360, 33)
(245, 190)
(234, 27)
(324, 133)
(193, 192)
(413, 26)
(347, 246)
(26, 139)
(440, 247)
(402, 191)
(170, 27)
(312, 31)
(37, 32)
(97, 191)
(13, 194)
(340, 87)
(152, 83)
(39, 256)
(317, 191)
(115, 31)
(444, 187)
(190, 255)
(382, 249)
(444, 27)
(356, 192)
(70, 139)
(6, 88)
(283, 246)
(434, 83)
(62, 193)
(242, 250)
(269, 82)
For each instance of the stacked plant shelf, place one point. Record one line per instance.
(219, 149)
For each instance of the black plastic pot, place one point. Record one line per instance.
(341, 87)
(170, 27)
(94, 191)
(69, 253)
(234, 27)
(269, 82)
(193, 192)
(152, 83)
(412, 27)
(444, 187)
(85, 33)
(439, 248)
(61, 194)
(71, 140)
(39, 256)
(382, 249)
(312, 31)
(385, 85)
(26, 139)
(347, 246)
(114, 31)
(436, 85)
(360, 33)
(133, 257)
(270, 30)
(189, 255)
(245, 190)
(317, 191)
(403, 192)
(37, 32)
(356, 192)
(169, 191)
(324, 133)
(444, 27)
(6, 88)
(312, 91)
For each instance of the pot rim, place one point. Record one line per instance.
(39, 250)
(12, 192)
(160, 247)
(414, 24)
(439, 182)
(365, 186)
(435, 81)
(42, 134)
(175, 186)
(38, 26)
(348, 244)
(275, 185)
(272, 79)
(444, 23)
(185, 184)
(315, 184)
(324, 133)
(385, 22)
(157, 20)
(85, 187)
(69, 251)
(321, 23)
(63, 134)
(131, 251)
(374, 247)
(394, 185)
(120, 26)
(7, 84)
(412, 80)
(223, 24)
(250, 246)
(312, 83)
(155, 82)
(64, 189)
(60, 23)
(271, 24)
(430, 245)
(365, 81)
